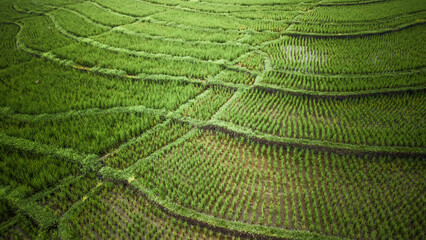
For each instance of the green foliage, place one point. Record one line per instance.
(101, 130)
(339, 83)
(205, 107)
(76, 24)
(201, 50)
(158, 28)
(91, 56)
(6, 211)
(383, 120)
(130, 7)
(9, 50)
(40, 33)
(363, 12)
(43, 87)
(213, 172)
(120, 211)
(252, 61)
(396, 51)
(151, 119)
(237, 77)
(23, 228)
(217, 21)
(66, 195)
(29, 172)
(146, 144)
(101, 15)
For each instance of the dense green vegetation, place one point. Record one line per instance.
(234, 179)
(340, 83)
(101, 15)
(30, 172)
(396, 51)
(9, 50)
(90, 133)
(212, 119)
(34, 88)
(385, 120)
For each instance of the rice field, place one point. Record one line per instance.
(213, 119)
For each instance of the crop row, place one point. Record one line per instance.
(76, 24)
(29, 173)
(178, 31)
(146, 144)
(132, 7)
(385, 120)
(23, 228)
(396, 51)
(10, 54)
(122, 213)
(253, 62)
(89, 133)
(205, 51)
(205, 6)
(43, 87)
(217, 21)
(238, 180)
(40, 33)
(363, 13)
(91, 56)
(66, 195)
(257, 2)
(237, 77)
(358, 28)
(342, 83)
(207, 106)
(155, 28)
(101, 15)
(8, 12)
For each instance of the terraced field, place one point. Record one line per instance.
(213, 119)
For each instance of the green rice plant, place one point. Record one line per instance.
(256, 2)
(215, 21)
(387, 53)
(342, 83)
(158, 28)
(101, 15)
(237, 77)
(44, 87)
(205, 51)
(146, 144)
(30, 173)
(383, 120)
(40, 33)
(127, 215)
(24, 6)
(357, 28)
(91, 56)
(8, 11)
(252, 61)
(66, 195)
(101, 130)
(258, 38)
(131, 7)
(276, 15)
(203, 166)
(22, 228)
(10, 53)
(207, 106)
(362, 12)
(253, 10)
(76, 24)
(6, 211)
